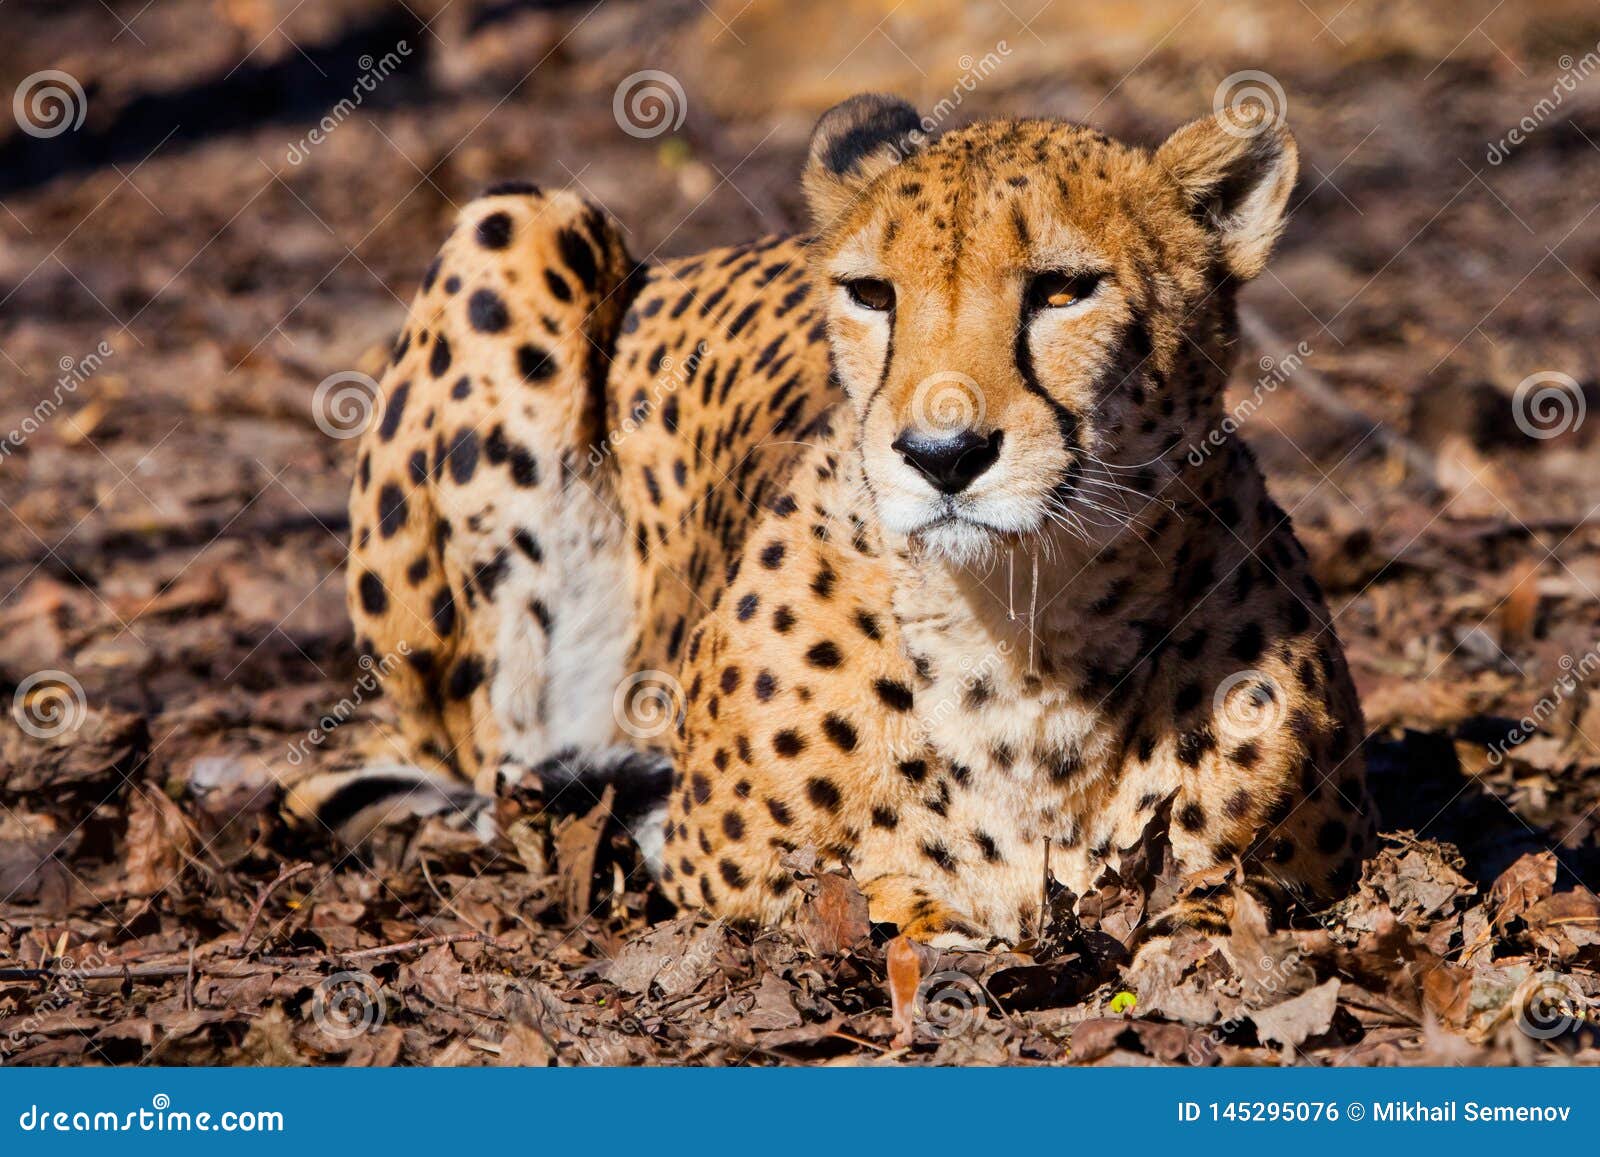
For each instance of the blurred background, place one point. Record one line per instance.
(210, 208)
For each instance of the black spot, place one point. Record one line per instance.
(374, 599)
(462, 457)
(772, 555)
(394, 408)
(1192, 818)
(822, 585)
(1065, 766)
(788, 743)
(825, 655)
(747, 607)
(986, 845)
(578, 255)
(1247, 644)
(782, 620)
(1193, 745)
(391, 510)
(840, 733)
(743, 318)
(557, 285)
(465, 678)
(524, 467)
(487, 312)
(823, 792)
(731, 873)
(940, 855)
(1331, 836)
(868, 626)
(895, 695)
(730, 680)
(535, 363)
(766, 686)
(444, 611)
(494, 231)
(486, 576)
(780, 812)
(883, 817)
(462, 388)
(439, 359)
(915, 770)
(528, 545)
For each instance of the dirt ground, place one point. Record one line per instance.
(182, 270)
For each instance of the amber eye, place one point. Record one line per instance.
(1056, 290)
(870, 293)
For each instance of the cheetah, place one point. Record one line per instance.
(918, 540)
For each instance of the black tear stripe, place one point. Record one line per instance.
(883, 376)
(1066, 421)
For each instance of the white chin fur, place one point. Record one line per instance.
(961, 543)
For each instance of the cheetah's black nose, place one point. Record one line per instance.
(951, 462)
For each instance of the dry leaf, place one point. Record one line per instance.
(834, 919)
(904, 975)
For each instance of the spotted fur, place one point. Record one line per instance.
(942, 664)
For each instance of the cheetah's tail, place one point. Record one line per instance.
(574, 781)
(353, 804)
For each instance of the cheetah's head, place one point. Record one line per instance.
(1026, 315)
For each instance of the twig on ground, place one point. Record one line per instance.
(167, 971)
(285, 874)
(422, 942)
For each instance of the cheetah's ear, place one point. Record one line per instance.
(854, 142)
(1237, 170)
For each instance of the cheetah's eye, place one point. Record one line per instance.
(870, 293)
(1055, 290)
